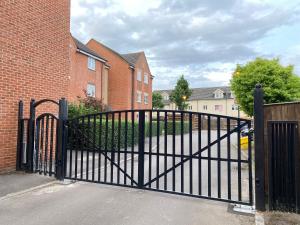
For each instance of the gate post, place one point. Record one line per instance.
(30, 141)
(20, 137)
(141, 147)
(259, 148)
(61, 139)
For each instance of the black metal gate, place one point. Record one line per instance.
(284, 192)
(178, 152)
(41, 139)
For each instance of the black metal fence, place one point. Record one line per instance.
(283, 155)
(160, 150)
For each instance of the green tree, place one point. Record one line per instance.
(181, 93)
(157, 101)
(279, 83)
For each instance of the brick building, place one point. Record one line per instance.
(39, 59)
(129, 80)
(34, 62)
(89, 72)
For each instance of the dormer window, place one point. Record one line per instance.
(219, 94)
(166, 97)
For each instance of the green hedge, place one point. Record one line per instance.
(177, 127)
(79, 135)
(81, 131)
(154, 129)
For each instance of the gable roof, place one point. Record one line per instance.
(82, 47)
(202, 93)
(208, 93)
(115, 52)
(132, 57)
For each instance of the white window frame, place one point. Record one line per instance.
(91, 63)
(89, 92)
(146, 78)
(139, 96)
(219, 94)
(204, 107)
(146, 98)
(235, 107)
(139, 75)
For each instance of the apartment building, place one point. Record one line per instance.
(214, 100)
(129, 80)
(89, 73)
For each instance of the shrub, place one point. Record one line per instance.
(86, 105)
(84, 135)
(177, 127)
(154, 129)
(76, 110)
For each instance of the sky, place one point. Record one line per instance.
(202, 39)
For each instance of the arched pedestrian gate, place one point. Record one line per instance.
(40, 138)
(178, 152)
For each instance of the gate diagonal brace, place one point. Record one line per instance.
(196, 154)
(107, 157)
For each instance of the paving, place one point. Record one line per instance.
(19, 181)
(86, 203)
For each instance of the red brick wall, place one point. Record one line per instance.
(140, 85)
(34, 62)
(119, 78)
(81, 75)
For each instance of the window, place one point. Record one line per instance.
(139, 96)
(146, 78)
(139, 75)
(205, 107)
(219, 108)
(146, 100)
(190, 107)
(91, 63)
(91, 90)
(219, 94)
(166, 97)
(235, 107)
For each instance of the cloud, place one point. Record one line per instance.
(184, 36)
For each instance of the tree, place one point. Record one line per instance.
(181, 93)
(279, 83)
(157, 101)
